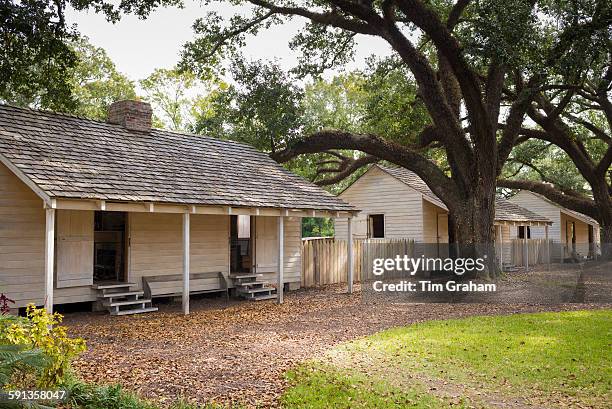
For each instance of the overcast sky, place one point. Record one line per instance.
(139, 46)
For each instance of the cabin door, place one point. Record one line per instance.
(110, 246)
(266, 244)
(241, 244)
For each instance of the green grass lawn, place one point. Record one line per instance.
(555, 358)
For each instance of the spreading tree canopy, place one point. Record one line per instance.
(481, 69)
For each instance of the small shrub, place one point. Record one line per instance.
(5, 304)
(91, 396)
(19, 359)
(40, 331)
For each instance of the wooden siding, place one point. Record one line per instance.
(582, 235)
(543, 208)
(377, 192)
(266, 244)
(22, 236)
(506, 232)
(22, 246)
(435, 228)
(74, 265)
(266, 248)
(156, 246)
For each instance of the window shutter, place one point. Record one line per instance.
(75, 248)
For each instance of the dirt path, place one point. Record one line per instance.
(238, 352)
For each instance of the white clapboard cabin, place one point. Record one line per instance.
(397, 203)
(118, 213)
(575, 234)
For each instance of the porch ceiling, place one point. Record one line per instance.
(151, 207)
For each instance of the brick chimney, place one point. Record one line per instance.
(131, 114)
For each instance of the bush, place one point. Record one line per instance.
(90, 396)
(39, 333)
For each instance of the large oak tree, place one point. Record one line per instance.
(462, 56)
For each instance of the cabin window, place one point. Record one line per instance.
(521, 232)
(376, 226)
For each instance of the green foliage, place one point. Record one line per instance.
(90, 396)
(35, 58)
(321, 48)
(44, 63)
(175, 100)
(42, 331)
(17, 361)
(540, 161)
(317, 227)
(262, 109)
(95, 81)
(506, 32)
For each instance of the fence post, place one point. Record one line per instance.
(349, 243)
(501, 248)
(547, 246)
(526, 252)
(315, 263)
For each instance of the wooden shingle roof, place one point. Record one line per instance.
(71, 157)
(505, 211)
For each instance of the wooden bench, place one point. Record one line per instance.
(172, 285)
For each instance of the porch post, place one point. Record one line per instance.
(526, 250)
(281, 261)
(547, 245)
(349, 243)
(501, 248)
(49, 258)
(185, 263)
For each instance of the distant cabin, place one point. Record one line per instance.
(396, 203)
(575, 232)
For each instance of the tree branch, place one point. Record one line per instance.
(347, 167)
(455, 13)
(380, 148)
(428, 21)
(329, 18)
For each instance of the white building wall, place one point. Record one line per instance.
(543, 208)
(377, 192)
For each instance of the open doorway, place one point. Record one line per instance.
(110, 246)
(241, 249)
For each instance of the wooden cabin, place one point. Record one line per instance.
(396, 203)
(97, 211)
(575, 234)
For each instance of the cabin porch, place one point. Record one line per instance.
(124, 258)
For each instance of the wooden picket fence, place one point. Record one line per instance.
(325, 260)
(536, 248)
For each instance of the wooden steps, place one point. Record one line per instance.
(120, 299)
(112, 284)
(250, 287)
(135, 311)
